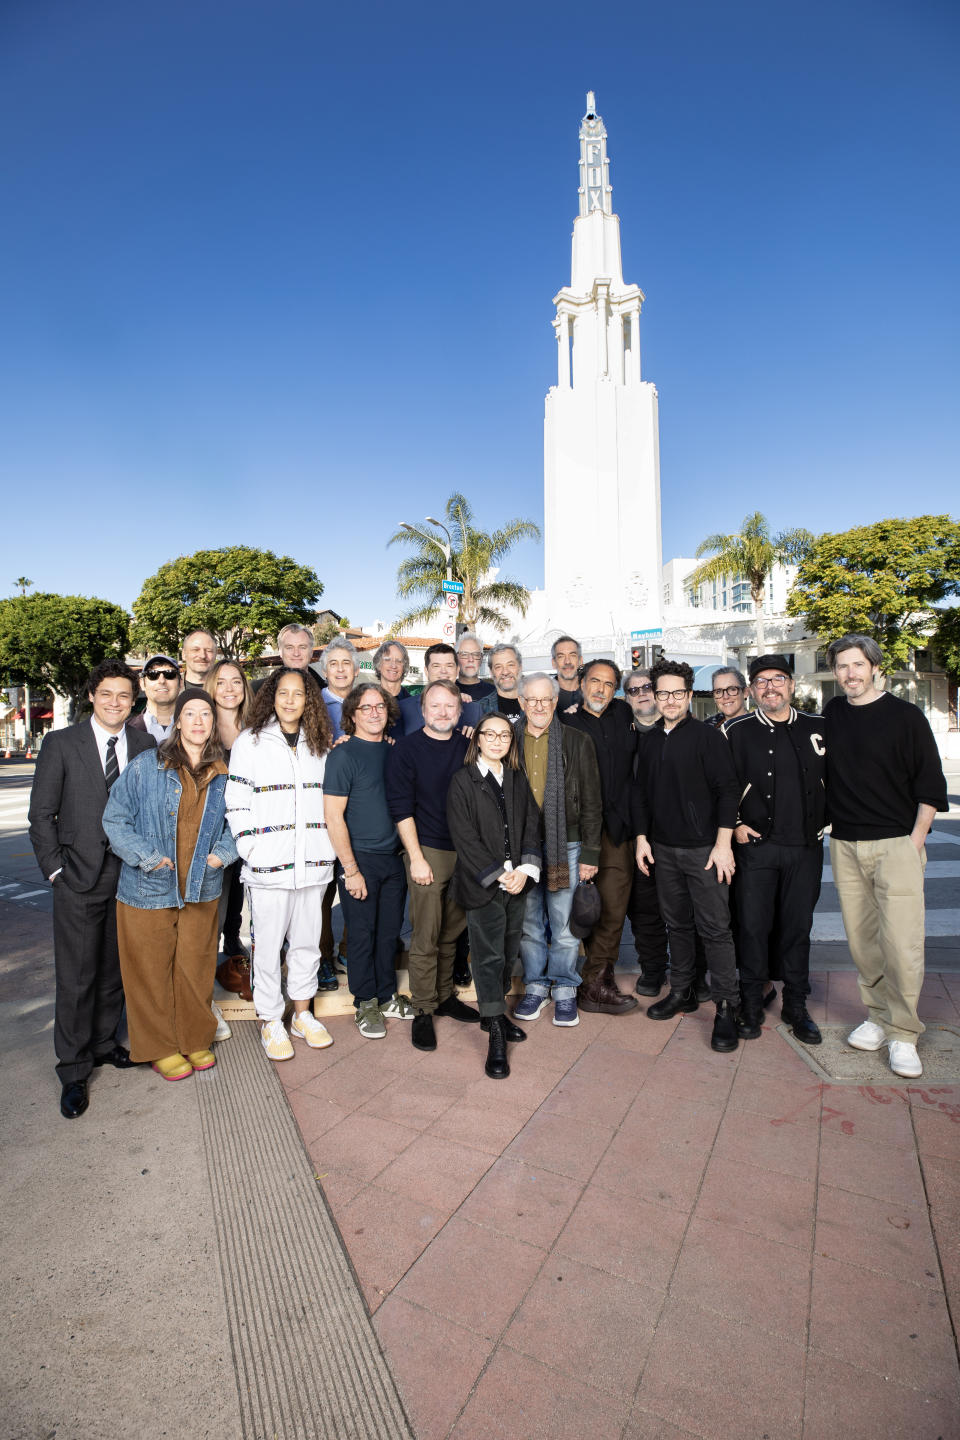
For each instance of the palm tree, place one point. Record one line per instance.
(752, 552)
(23, 584)
(473, 553)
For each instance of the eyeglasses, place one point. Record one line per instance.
(639, 690)
(161, 674)
(777, 681)
(377, 709)
(728, 693)
(665, 695)
(502, 737)
(539, 704)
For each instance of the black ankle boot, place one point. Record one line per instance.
(750, 1022)
(676, 1002)
(724, 1035)
(497, 1066)
(512, 1032)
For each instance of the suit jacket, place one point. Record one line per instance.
(67, 802)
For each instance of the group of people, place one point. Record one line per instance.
(486, 808)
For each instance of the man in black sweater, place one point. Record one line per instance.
(609, 723)
(885, 783)
(780, 759)
(688, 809)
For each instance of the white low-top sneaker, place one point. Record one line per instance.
(307, 1027)
(223, 1029)
(867, 1036)
(276, 1041)
(904, 1059)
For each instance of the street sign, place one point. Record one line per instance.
(452, 587)
(448, 629)
(453, 602)
(645, 634)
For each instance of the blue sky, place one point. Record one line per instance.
(280, 273)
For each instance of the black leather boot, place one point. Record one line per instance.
(649, 984)
(724, 1035)
(512, 1032)
(800, 1023)
(497, 1066)
(676, 1002)
(750, 1022)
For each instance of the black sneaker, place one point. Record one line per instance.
(326, 978)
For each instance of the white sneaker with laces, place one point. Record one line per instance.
(867, 1036)
(904, 1059)
(223, 1029)
(397, 1008)
(276, 1041)
(307, 1027)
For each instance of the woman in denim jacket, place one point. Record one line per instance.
(166, 821)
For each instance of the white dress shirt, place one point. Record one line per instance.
(102, 736)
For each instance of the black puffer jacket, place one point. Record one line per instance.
(476, 828)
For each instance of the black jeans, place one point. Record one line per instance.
(646, 922)
(374, 924)
(777, 889)
(495, 930)
(693, 902)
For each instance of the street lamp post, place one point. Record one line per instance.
(445, 550)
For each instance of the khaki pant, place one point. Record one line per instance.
(615, 883)
(436, 921)
(880, 884)
(168, 959)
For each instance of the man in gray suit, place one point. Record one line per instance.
(75, 770)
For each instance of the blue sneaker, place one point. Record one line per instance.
(565, 1012)
(530, 1006)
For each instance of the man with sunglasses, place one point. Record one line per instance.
(643, 909)
(160, 683)
(729, 695)
(780, 758)
(686, 813)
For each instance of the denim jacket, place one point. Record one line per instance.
(140, 820)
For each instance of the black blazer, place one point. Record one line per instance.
(67, 801)
(476, 828)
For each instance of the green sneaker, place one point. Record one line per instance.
(370, 1022)
(398, 1008)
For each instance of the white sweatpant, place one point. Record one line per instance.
(275, 915)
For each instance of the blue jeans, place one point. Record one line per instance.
(552, 967)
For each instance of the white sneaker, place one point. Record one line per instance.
(276, 1041)
(867, 1036)
(397, 1008)
(904, 1059)
(307, 1027)
(223, 1029)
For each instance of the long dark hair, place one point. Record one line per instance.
(171, 752)
(511, 759)
(314, 722)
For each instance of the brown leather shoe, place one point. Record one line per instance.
(602, 996)
(234, 975)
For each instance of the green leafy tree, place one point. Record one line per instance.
(242, 595)
(946, 641)
(473, 554)
(54, 641)
(752, 552)
(880, 580)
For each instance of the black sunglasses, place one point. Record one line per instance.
(161, 674)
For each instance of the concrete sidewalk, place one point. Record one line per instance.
(631, 1237)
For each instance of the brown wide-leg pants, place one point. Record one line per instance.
(168, 959)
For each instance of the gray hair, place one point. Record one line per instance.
(551, 680)
(498, 649)
(564, 640)
(339, 642)
(469, 635)
(738, 675)
(871, 650)
(379, 653)
(295, 628)
(641, 673)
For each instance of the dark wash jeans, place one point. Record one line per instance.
(777, 889)
(374, 924)
(693, 902)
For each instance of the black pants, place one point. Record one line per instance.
(233, 913)
(693, 902)
(89, 1004)
(495, 930)
(374, 924)
(778, 887)
(646, 922)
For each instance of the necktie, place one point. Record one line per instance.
(113, 765)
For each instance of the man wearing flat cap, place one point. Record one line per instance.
(780, 758)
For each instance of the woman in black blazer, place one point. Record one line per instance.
(495, 826)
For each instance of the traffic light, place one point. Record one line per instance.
(636, 657)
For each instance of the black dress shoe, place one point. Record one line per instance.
(497, 1065)
(74, 1099)
(724, 1035)
(454, 1009)
(422, 1033)
(676, 1002)
(769, 997)
(749, 1023)
(801, 1025)
(512, 1032)
(649, 984)
(118, 1057)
